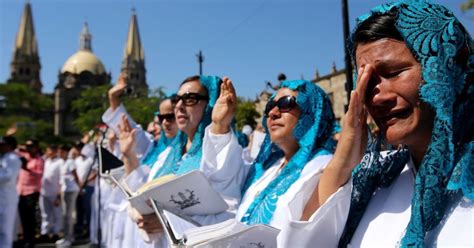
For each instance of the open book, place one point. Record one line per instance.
(188, 194)
(230, 233)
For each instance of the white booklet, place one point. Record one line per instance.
(230, 233)
(188, 194)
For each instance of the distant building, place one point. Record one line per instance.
(80, 71)
(25, 66)
(133, 64)
(334, 85)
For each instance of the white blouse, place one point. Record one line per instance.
(281, 218)
(384, 222)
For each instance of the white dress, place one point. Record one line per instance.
(280, 218)
(221, 163)
(384, 221)
(10, 165)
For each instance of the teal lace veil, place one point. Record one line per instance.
(175, 162)
(157, 147)
(314, 135)
(444, 49)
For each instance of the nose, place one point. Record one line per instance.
(382, 95)
(179, 106)
(274, 113)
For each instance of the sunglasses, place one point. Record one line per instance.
(284, 104)
(189, 99)
(167, 117)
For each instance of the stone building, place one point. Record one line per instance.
(25, 66)
(80, 71)
(334, 85)
(133, 63)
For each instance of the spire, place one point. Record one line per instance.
(25, 66)
(25, 44)
(133, 64)
(133, 47)
(86, 38)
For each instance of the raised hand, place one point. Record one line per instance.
(353, 141)
(350, 148)
(115, 92)
(224, 109)
(126, 137)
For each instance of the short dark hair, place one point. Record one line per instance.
(191, 79)
(378, 27)
(10, 141)
(64, 147)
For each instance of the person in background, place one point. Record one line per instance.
(29, 187)
(50, 197)
(10, 165)
(86, 172)
(69, 191)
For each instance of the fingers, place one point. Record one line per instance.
(228, 90)
(365, 73)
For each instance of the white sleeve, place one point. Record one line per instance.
(324, 227)
(113, 119)
(222, 163)
(10, 169)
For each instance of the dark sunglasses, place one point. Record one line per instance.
(189, 99)
(167, 117)
(284, 104)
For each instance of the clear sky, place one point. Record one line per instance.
(249, 40)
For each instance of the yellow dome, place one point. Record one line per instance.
(81, 61)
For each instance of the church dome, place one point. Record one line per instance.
(82, 61)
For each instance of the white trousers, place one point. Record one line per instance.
(51, 215)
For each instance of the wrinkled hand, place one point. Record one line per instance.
(224, 109)
(126, 137)
(115, 92)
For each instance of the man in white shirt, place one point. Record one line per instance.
(50, 196)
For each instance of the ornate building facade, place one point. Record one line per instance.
(80, 71)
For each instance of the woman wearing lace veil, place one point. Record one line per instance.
(415, 68)
(204, 107)
(300, 122)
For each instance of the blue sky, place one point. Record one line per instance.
(249, 40)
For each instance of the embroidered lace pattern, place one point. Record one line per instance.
(314, 135)
(441, 45)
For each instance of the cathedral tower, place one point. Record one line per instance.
(25, 66)
(133, 64)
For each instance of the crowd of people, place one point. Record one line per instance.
(410, 185)
(58, 182)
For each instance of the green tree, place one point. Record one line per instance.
(27, 111)
(469, 4)
(93, 103)
(246, 113)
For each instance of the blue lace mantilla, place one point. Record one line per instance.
(314, 135)
(441, 45)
